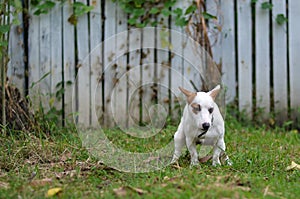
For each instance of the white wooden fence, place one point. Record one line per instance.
(122, 79)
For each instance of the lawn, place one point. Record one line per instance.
(31, 164)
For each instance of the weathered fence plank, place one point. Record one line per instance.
(177, 36)
(262, 58)
(134, 78)
(294, 58)
(96, 63)
(228, 49)
(16, 66)
(109, 58)
(68, 64)
(45, 62)
(119, 103)
(83, 77)
(147, 97)
(160, 112)
(244, 39)
(55, 57)
(213, 7)
(280, 76)
(33, 60)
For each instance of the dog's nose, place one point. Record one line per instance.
(205, 126)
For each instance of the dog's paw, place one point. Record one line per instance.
(174, 160)
(194, 163)
(216, 163)
(229, 162)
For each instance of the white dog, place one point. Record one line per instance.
(201, 123)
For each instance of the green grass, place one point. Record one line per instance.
(31, 165)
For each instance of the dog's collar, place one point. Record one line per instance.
(201, 134)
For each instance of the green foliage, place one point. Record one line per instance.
(9, 11)
(281, 19)
(79, 10)
(144, 12)
(43, 7)
(267, 5)
(206, 15)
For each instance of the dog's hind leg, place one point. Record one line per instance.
(179, 142)
(217, 151)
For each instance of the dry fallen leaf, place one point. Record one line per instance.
(42, 182)
(205, 158)
(138, 190)
(294, 165)
(4, 185)
(121, 191)
(53, 192)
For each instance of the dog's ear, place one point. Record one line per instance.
(189, 94)
(214, 92)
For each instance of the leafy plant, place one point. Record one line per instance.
(79, 10)
(281, 19)
(9, 10)
(144, 12)
(267, 5)
(42, 7)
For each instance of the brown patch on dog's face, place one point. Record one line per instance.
(196, 108)
(189, 95)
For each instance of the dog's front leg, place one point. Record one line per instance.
(179, 142)
(191, 145)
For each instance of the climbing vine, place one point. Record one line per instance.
(143, 12)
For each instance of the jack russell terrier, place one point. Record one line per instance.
(201, 123)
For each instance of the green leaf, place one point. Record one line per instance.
(81, 9)
(190, 9)
(34, 2)
(4, 28)
(69, 83)
(17, 4)
(181, 22)
(154, 10)
(16, 21)
(166, 12)
(254, 1)
(266, 5)
(141, 25)
(3, 43)
(169, 3)
(178, 11)
(138, 3)
(206, 15)
(281, 19)
(44, 8)
(139, 12)
(154, 23)
(132, 21)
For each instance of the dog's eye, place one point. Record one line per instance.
(199, 108)
(210, 110)
(196, 107)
